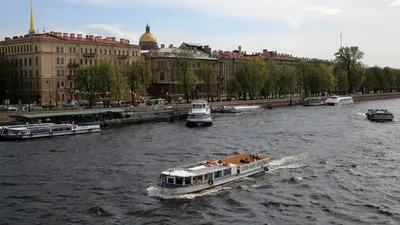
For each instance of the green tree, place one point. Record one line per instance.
(207, 75)
(240, 75)
(348, 58)
(327, 79)
(183, 72)
(233, 88)
(105, 73)
(9, 79)
(87, 81)
(138, 77)
(284, 79)
(257, 75)
(302, 67)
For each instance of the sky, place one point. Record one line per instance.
(302, 28)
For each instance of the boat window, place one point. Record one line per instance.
(198, 179)
(206, 176)
(179, 180)
(227, 172)
(170, 180)
(68, 128)
(218, 174)
(188, 180)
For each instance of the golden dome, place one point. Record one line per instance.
(148, 37)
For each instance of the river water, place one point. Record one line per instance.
(329, 165)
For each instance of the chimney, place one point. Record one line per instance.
(99, 37)
(65, 35)
(113, 38)
(240, 49)
(72, 35)
(58, 34)
(91, 36)
(162, 45)
(7, 38)
(15, 37)
(79, 36)
(51, 32)
(122, 40)
(207, 49)
(171, 46)
(265, 51)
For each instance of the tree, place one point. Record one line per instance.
(9, 78)
(302, 67)
(257, 75)
(106, 75)
(138, 77)
(233, 88)
(183, 72)
(88, 82)
(348, 58)
(207, 75)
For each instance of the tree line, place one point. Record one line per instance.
(108, 80)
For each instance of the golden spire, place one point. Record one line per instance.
(32, 24)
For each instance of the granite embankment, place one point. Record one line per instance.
(265, 103)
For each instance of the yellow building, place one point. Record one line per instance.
(49, 61)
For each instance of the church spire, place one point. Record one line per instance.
(147, 28)
(32, 22)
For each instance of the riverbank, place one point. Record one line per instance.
(166, 113)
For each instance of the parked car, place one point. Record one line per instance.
(12, 108)
(69, 104)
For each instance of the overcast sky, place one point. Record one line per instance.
(305, 28)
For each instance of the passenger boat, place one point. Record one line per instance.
(29, 131)
(379, 115)
(243, 108)
(224, 109)
(199, 114)
(205, 175)
(337, 100)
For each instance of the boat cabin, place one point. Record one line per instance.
(199, 104)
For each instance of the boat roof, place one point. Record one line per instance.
(199, 102)
(40, 126)
(200, 168)
(75, 113)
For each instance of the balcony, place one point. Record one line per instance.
(89, 55)
(73, 65)
(122, 56)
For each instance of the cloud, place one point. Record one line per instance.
(394, 3)
(324, 10)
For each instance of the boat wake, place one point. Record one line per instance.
(157, 192)
(288, 162)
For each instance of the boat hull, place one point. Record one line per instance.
(46, 135)
(171, 191)
(198, 123)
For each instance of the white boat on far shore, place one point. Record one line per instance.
(244, 108)
(41, 130)
(336, 100)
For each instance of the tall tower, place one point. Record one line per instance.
(32, 23)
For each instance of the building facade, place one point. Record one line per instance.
(46, 62)
(162, 61)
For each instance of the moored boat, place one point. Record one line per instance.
(199, 114)
(336, 100)
(244, 108)
(205, 175)
(30, 131)
(224, 109)
(379, 115)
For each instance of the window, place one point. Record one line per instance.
(62, 49)
(81, 61)
(85, 61)
(58, 61)
(36, 48)
(101, 51)
(70, 60)
(25, 62)
(85, 50)
(62, 60)
(37, 84)
(30, 61)
(37, 73)
(119, 52)
(81, 50)
(109, 51)
(57, 49)
(30, 73)
(115, 52)
(24, 48)
(70, 49)
(58, 72)
(70, 71)
(74, 49)
(26, 73)
(90, 50)
(162, 76)
(62, 73)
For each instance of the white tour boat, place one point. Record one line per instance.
(337, 100)
(29, 131)
(243, 108)
(200, 176)
(199, 114)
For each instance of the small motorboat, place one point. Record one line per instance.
(379, 115)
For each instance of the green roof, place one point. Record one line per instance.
(89, 112)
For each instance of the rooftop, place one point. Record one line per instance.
(68, 37)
